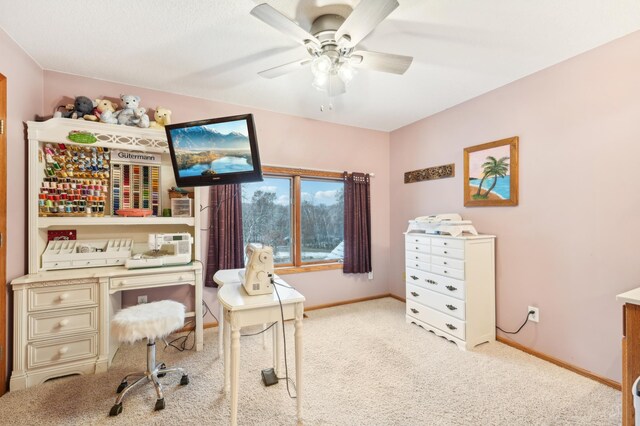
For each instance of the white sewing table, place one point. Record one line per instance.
(241, 310)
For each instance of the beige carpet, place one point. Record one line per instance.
(363, 366)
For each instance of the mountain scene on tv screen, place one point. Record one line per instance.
(212, 149)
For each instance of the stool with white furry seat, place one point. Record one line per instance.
(149, 321)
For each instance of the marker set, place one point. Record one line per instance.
(135, 186)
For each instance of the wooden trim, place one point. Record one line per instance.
(310, 268)
(346, 302)
(401, 299)
(4, 366)
(581, 371)
(297, 231)
(300, 172)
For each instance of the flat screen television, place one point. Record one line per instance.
(215, 151)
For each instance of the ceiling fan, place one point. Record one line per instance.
(332, 44)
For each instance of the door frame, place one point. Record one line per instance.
(4, 355)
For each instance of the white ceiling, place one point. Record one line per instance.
(213, 49)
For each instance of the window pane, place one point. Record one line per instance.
(322, 219)
(266, 215)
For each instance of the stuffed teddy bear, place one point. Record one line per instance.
(81, 106)
(162, 116)
(127, 115)
(103, 111)
(141, 117)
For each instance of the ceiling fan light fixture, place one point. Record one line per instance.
(320, 81)
(321, 65)
(346, 72)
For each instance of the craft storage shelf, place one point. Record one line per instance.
(61, 317)
(134, 142)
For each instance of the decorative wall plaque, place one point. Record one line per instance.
(430, 173)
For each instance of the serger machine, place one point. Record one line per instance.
(164, 250)
(256, 277)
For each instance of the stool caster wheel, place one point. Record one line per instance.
(184, 380)
(116, 409)
(121, 386)
(159, 404)
(162, 366)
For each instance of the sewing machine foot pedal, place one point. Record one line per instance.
(269, 377)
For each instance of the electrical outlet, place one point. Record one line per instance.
(142, 299)
(535, 316)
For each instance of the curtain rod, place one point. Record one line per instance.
(302, 169)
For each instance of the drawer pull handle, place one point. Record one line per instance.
(445, 244)
(64, 322)
(445, 252)
(432, 282)
(64, 296)
(451, 327)
(417, 265)
(414, 294)
(417, 258)
(417, 248)
(451, 288)
(445, 263)
(413, 277)
(415, 311)
(445, 271)
(451, 307)
(63, 350)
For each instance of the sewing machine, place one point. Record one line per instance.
(256, 277)
(164, 250)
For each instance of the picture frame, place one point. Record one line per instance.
(491, 173)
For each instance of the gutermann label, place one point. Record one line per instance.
(135, 157)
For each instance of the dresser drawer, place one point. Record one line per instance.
(448, 252)
(420, 239)
(60, 323)
(68, 296)
(413, 256)
(422, 266)
(441, 321)
(447, 262)
(56, 351)
(445, 285)
(447, 242)
(88, 263)
(415, 247)
(152, 280)
(440, 302)
(448, 272)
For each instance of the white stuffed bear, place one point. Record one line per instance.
(127, 115)
(141, 118)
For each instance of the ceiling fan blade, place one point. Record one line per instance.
(284, 69)
(364, 18)
(335, 86)
(385, 62)
(277, 20)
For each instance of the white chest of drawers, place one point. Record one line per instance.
(451, 286)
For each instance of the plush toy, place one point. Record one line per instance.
(141, 117)
(127, 115)
(103, 112)
(162, 116)
(81, 106)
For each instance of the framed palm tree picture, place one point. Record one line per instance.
(491, 174)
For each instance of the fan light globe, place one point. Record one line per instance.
(346, 72)
(321, 65)
(320, 81)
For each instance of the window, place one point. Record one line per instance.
(300, 214)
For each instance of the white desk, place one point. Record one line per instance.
(62, 318)
(241, 310)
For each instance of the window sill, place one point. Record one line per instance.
(310, 268)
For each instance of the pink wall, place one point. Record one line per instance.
(24, 101)
(284, 140)
(569, 247)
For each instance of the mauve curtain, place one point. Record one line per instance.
(225, 231)
(357, 224)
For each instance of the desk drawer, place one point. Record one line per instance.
(68, 296)
(60, 323)
(55, 351)
(121, 283)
